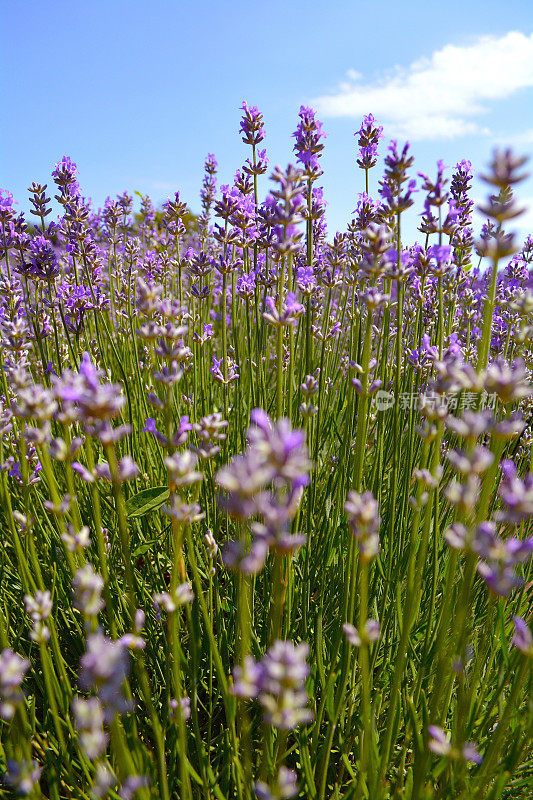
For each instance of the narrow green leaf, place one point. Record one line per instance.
(147, 500)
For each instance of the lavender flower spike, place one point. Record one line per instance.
(12, 670)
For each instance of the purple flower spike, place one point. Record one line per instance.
(282, 687)
(43, 260)
(439, 742)
(516, 494)
(104, 668)
(285, 787)
(251, 125)
(12, 671)
(308, 146)
(23, 775)
(471, 753)
(523, 638)
(371, 633)
(247, 679)
(369, 135)
(364, 521)
(283, 448)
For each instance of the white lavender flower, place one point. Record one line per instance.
(89, 720)
(171, 601)
(88, 586)
(104, 668)
(12, 670)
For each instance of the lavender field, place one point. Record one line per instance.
(266, 490)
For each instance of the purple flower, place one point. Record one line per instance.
(442, 256)
(251, 125)
(471, 753)
(369, 135)
(246, 285)
(284, 206)
(23, 775)
(278, 680)
(180, 708)
(229, 201)
(286, 786)
(6, 206)
(39, 609)
(436, 196)
(175, 209)
(208, 191)
(282, 686)
(83, 472)
(43, 260)
(242, 479)
(283, 449)
(85, 397)
(510, 381)
(367, 212)
(276, 455)
(396, 166)
(150, 426)
(371, 633)
(277, 512)
(180, 596)
(127, 470)
(88, 586)
(308, 146)
(500, 557)
(104, 668)
(499, 578)
(439, 743)
(459, 189)
(89, 720)
(181, 469)
(291, 309)
(232, 372)
(247, 679)
(104, 780)
(77, 301)
(517, 495)
(12, 670)
(306, 280)
(65, 172)
(522, 639)
(210, 431)
(364, 521)
(132, 785)
(64, 176)
(235, 557)
(260, 165)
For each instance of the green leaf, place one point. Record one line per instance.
(143, 548)
(307, 768)
(147, 500)
(418, 741)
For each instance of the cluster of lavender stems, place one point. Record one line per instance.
(266, 491)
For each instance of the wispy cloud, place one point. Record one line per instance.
(520, 139)
(442, 96)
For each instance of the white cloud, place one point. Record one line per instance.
(439, 97)
(521, 139)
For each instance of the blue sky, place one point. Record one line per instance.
(138, 92)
